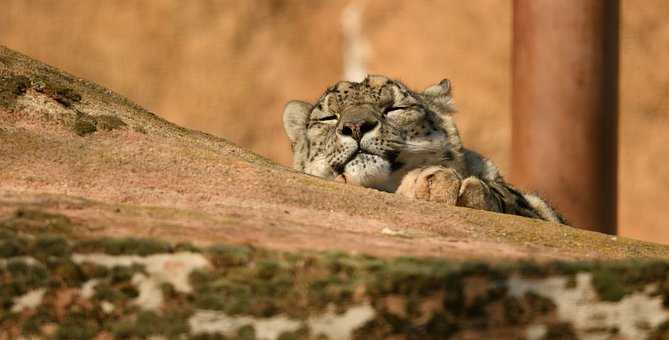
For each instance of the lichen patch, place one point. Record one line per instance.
(173, 269)
(535, 332)
(341, 326)
(218, 322)
(29, 300)
(633, 317)
(27, 260)
(329, 324)
(107, 306)
(150, 296)
(88, 288)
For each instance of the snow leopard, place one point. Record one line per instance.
(380, 134)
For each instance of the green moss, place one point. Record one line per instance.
(34, 221)
(12, 87)
(567, 268)
(186, 247)
(66, 272)
(114, 284)
(171, 324)
(267, 269)
(221, 294)
(609, 285)
(10, 247)
(532, 270)
(269, 283)
(228, 255)
(117, 294)
(123, 246)
(5, 61)
(408, 275)
(25, 277)
(139, 129)
(33, 324)
(440, 326)
(121, 274)
(64, 95)
(93, 271)
(613, 280)
(108, 122)
(6, 233)
(246, 332)
(50, 246)
(207, 336)
(84, 126)
(560, 331)
(77, 326)
(301, 333)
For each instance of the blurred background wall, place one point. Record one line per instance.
(227, 67)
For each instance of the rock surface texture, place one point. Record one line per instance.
(117, 224)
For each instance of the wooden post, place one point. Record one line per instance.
(565, 106)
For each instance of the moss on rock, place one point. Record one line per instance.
(123, 246)
(27, 220)
(414, 297)
(84, 125)
(63, 94)
(108, 122)
(11, 87)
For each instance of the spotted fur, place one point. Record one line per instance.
(380, 134)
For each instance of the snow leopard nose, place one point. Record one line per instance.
(357, 129)
(357, 120)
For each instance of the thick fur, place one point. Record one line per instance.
(380, 134)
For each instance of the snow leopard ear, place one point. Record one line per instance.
(295, 116)
(440, 97)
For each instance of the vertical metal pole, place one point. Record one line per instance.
(565, 106)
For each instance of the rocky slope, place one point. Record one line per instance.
(116, 223)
